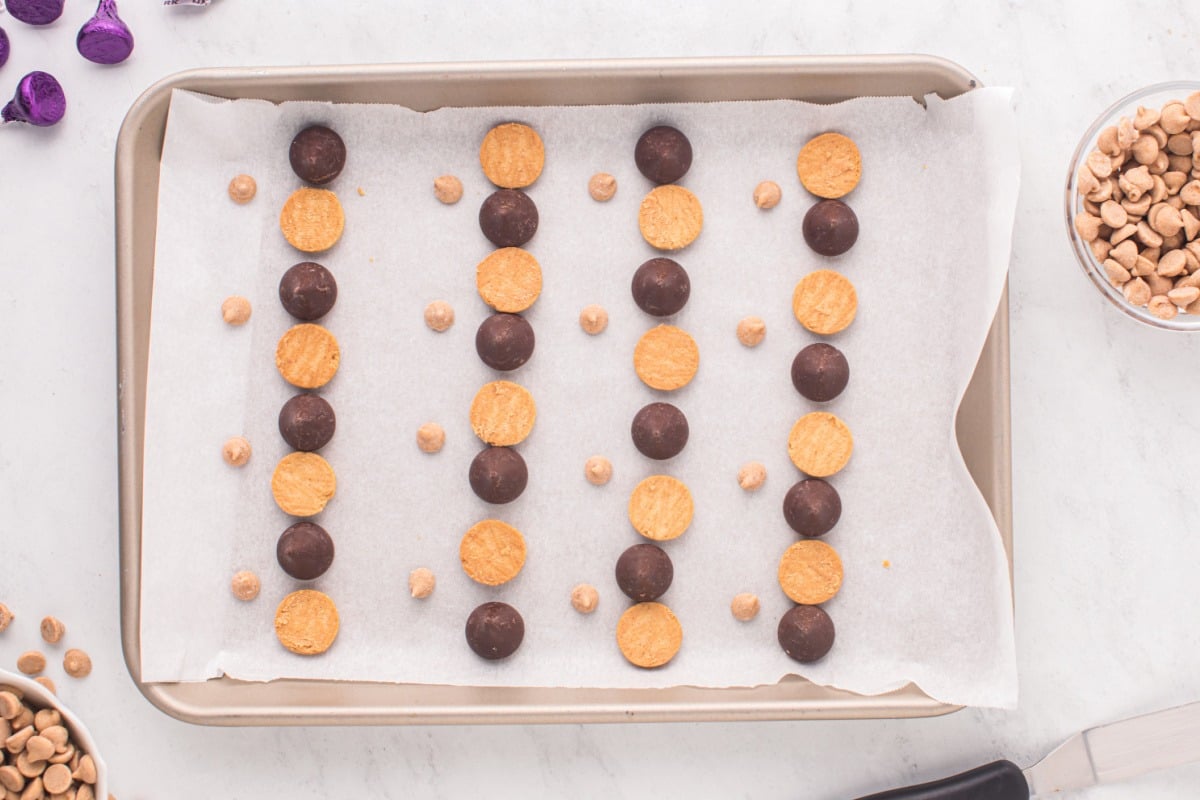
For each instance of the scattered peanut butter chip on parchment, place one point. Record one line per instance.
(829, 165)
(512, 155)
(308, 356)
(235, 310)
(593, 319)
(649, 635)
(810, 572)
(503, 413)
(602, 187)
(584, 598)
(303, 483)
(666, 358)
(421, 582)
(52, 630)
(242, 189)
(77, 663)
(447, 189)
(306, 622)
(744, 606)
(312, 220)
(752, 475)
(439, 316)
(820, 444)
(236, 451)
(245, 585)
(492, 552)
(598, 470)
(751, 331)
(431, 437)
(825, 302)
(670, 217)
(661, 507)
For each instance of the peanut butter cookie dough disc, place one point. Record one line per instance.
(670, 217)
(820, 444)
(810, 572)
(503, 413)
(829, 165)
(303, 484)
(666, 358)
(509, 279)
(306, 622)
(307, 356)
(661, 508)
(825, 302)
(492, 552)
(649, 635)
(312, 220)
(512, 155)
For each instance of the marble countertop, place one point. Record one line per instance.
(1103, 410)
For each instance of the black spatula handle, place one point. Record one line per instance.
(1000, 780)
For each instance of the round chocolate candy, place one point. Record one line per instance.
(307, 422)
(4, 47)
(304, 551)
(812, 507)
(660, 431)
(820, 372)
(495, 630)
(105, 38)
(498, 475)
(318, 154)
(830, 227)
(805, 633)
(663, 154)
(508, 218)
(308, 291)
(36, 12)
(661, 287)
(39, 101)
(644, 572)
(504, 341)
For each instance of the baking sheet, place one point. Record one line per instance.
(927, 292)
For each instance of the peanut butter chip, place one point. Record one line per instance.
(52, 629)
(312, 220)
(503, 413)
(744, 606)
(431, 437)
(670, 217)
(308, 356)
(810, 572)
(439, 316)
(492, 552)
(598, 470)
(649, 635)
(306, 622)
(509, 279)
(242, 189)
(585, 598)
(236, 451)
(829, 165)
(245, 585)
(303, 483)
(767, 194)
(57, 778)
(593, 319)
(421, 582)
(820, 444)
(825, 302)
(6, 617)
(77, 663)
(661, 507)
(448, 189)
(751, 331)
(752, 475)
(235, 310)
(602, 187)
(31, 662)
(666, 358)
(512, 155)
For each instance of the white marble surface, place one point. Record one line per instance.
(1104, 411)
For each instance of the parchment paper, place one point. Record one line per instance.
(936, 206)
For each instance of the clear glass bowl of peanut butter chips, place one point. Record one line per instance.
(1133, 205)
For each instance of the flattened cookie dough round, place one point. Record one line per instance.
(306, 622)
(810, 572)
(307, 356)
(670, 217)
(312, 220)
(649, 635)
(666, 358)
(503, 413)
(303, 484)
(512, 155)
(661, 508)
(829, 165)
(492, 552)
(509, 279)
(820, 444)
(825, 302)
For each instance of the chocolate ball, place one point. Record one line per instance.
(805, 633)
(820, 372)
(812, 507)
(495, 630)
(307, 422)
(307, 291)
(304, 551)
(830, 227)
(644, 572)
(504, 341)
(317, 155)
(661, 287)
(660, 431)
(663, 154)
(498, 475)
(508, 218)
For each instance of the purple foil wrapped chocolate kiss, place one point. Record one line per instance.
(39, 101)
(105, 38)
(36, 12)
(4, 49)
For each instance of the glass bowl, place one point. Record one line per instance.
(41, 697)
(1156, 97)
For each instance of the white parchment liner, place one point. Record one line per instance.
(936, 206)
